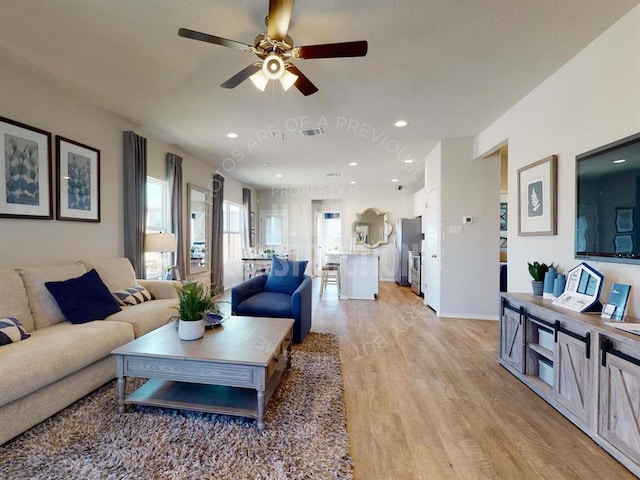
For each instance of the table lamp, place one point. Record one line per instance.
(160, 242)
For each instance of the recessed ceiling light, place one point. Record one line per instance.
(409, 160)
(232, 135)
(621, 160)
(265, 164)
(278, 175)
(353, 164)
(394, 179)
(401, 123)
(352, 182)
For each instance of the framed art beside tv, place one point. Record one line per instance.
(537, 188)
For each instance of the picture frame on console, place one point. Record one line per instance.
(78, 174)
(537, 197)
(25, 175)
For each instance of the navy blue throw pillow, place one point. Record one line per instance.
(285, 276)
(84, 299)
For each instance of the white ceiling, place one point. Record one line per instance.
(449, 67)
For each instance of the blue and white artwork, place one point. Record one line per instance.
(535, 199)
(21, 171)
(79, 182)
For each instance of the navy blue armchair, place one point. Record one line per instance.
(285, 292)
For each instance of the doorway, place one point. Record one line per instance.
(327, 237)
(504, 213)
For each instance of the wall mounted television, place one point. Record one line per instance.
(608, 202)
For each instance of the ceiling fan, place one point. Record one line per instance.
(275, 49)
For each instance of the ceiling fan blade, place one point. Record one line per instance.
(241, 76)
(302, 83)
(279, 18)
(205, 37)
(332, 50)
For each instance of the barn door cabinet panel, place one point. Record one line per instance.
(512, 336)
(573, 373)
(586, 370)
(619, 407)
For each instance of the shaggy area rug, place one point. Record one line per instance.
(305, 435)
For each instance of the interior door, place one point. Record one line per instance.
(431, 259)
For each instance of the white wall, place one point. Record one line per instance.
(354, 199)
(469, 262)
(29, 98)
(592, 100)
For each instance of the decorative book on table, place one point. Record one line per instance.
(582, 290)
(617, 304)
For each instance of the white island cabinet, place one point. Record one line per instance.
(359, 276)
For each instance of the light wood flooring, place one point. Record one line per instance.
(426, 398)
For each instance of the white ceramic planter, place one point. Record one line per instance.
(190, 330)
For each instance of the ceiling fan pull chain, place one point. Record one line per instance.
(273, 107)
(281, 113)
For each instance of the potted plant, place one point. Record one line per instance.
(537, 271)
(195, 299)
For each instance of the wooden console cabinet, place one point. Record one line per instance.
(586, 370)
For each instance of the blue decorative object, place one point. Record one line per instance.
(84, 298)
(549, 277)
(213, 319)
(558, 284)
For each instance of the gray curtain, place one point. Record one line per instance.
(217, 230)
(174, 181)
(135, 199)
(246, 203)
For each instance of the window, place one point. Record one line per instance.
(232, 236)
(157, 221)
(157, 206)
(273, 229)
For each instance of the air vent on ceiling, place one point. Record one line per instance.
(332, 174)
(310, 132)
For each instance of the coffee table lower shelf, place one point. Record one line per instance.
(242, 402)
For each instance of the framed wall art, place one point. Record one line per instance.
(503, 216)
(537, 189)
(25, 173)
(78, 173)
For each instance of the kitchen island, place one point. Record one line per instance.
(359, 276)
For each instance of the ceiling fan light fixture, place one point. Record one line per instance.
(288, 80)
(273, 67)
(259, 80)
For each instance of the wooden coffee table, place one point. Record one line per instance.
(233, 370)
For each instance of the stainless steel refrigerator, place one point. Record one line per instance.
(408, 238)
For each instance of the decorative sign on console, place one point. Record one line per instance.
(582, 290)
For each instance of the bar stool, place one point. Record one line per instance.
(330, 276)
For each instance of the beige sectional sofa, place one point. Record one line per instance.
(62, 362)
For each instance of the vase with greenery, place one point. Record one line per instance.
(537, 271)
(195, 299)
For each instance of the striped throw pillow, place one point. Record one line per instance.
(11, 331)
(133, 296)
